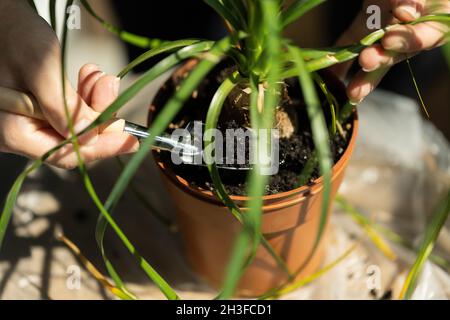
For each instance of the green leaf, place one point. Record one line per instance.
(416, 87)
(89, 266)
(234, 271)
(320, 136)
(368, 227)
(446, 53)
(310, 54)
(52, 12)
(32, 5)
(147, 204)
(350, 52)
(432, 232)
(386, 232)
(303, 282)
(122, 292)
(298, 9)
(227, 14)
(163, 48)
(136, 40)
(438, 17)
(332, 102)
(11, 199)
(238, 9)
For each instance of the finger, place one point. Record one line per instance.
(358, 30)
(108, 145)
(352, 35)
(26, 136)
(45, 83)
(363, 84)
(33, 138)
(375, 57)
(87, 77)
(408, 10)
(411, 38)
(85, 71)
(104, 92)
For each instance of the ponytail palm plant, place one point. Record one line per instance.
(263, 60)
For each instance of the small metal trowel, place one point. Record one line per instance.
(188, 153)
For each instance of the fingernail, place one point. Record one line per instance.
(135, 148)
(353, 92)
(371, 69)
(410, 11)
(132, 149)
(116, 87)
(355, 102)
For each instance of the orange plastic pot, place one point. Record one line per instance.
(290, 223)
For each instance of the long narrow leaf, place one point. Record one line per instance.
(312, 277)
(163, 48)
(32, 5)
(446, 53)
(150, 75)
(431, 234)
(94, 271)
(226, 14)
(81, 165)
(238, 9)
(212, 118)
(146, 203)
(332, 102)
(320, 135)
(298, 9)
(52, 12)
(368, 227)
(388, 233)
(136, 40)
(416, 87)
(12, 197)
(257, 181)
(351, 52)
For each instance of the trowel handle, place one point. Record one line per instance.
(17, 102)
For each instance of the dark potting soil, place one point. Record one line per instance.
(295, 148)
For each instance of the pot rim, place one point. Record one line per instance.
(315, 187)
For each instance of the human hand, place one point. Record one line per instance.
(30, 61)
(399, 43)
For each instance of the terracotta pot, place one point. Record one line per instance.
(289, 222)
